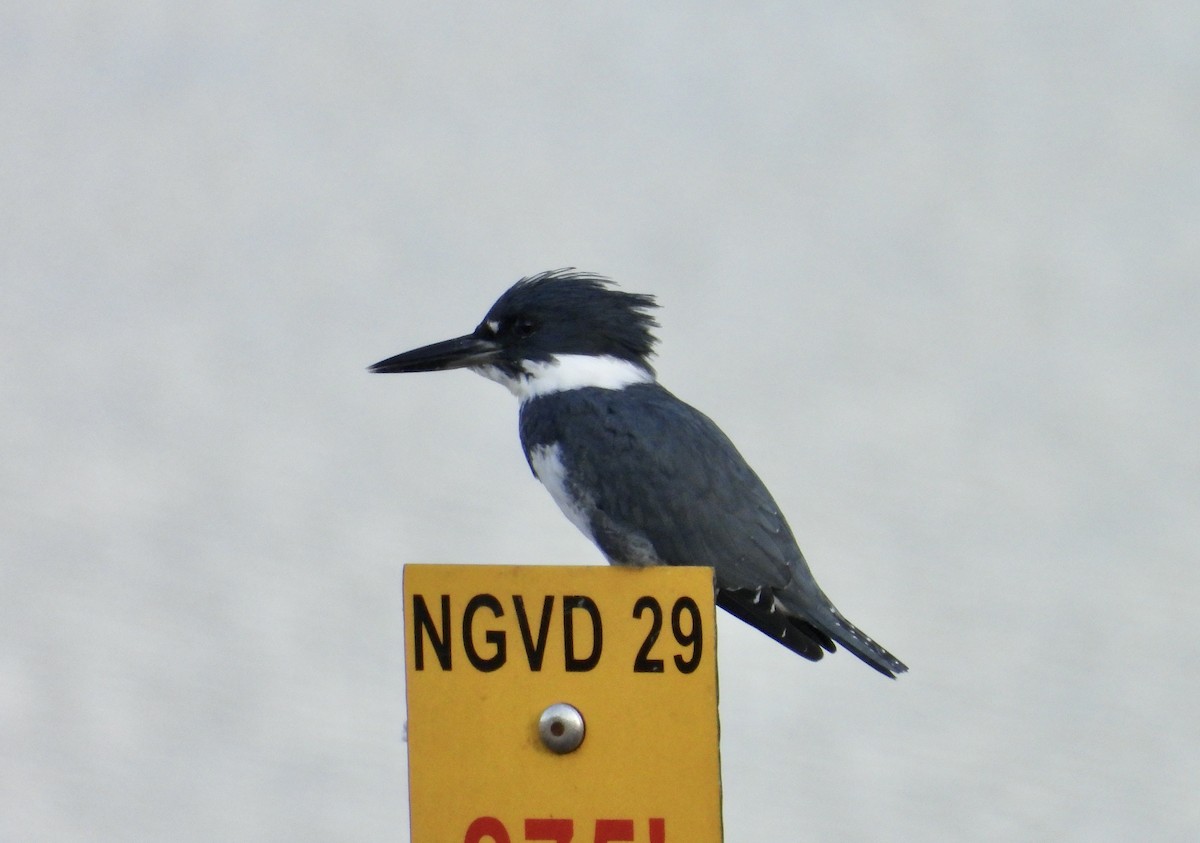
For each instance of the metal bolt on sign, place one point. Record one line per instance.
(561, 728)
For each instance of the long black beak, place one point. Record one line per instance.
(450, 354)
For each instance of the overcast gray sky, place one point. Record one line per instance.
(933, 268)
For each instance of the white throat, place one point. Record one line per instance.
(567, 371)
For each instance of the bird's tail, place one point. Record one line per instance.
(810, 628)
(861, 644)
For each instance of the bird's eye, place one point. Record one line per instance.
(524, 327)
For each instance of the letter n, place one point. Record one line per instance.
(423, 624)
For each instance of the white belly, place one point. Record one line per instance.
(548, 466)
(621, 545)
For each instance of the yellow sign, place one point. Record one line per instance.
(489, 649)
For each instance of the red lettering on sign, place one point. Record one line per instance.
(560, 830)
(487, 827)
(614, 831)
(556, 830)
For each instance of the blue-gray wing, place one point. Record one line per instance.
(658, 467)
(659, 482)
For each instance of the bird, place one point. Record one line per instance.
(647, 478)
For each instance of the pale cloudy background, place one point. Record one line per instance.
(932, 266)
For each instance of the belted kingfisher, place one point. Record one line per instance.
(649, 479)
